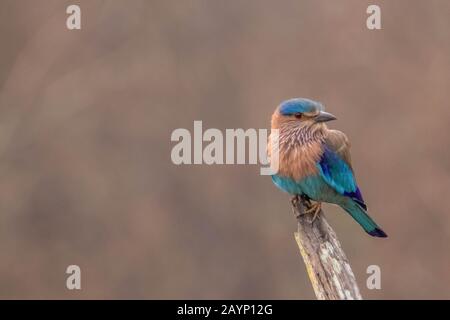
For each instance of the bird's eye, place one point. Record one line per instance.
(298, 115)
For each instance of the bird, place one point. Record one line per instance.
(314, 162)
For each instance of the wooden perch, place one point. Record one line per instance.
(328, 268)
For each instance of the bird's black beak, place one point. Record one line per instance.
(324, 117)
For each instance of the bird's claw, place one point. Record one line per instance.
(312, 208)
(315, 210)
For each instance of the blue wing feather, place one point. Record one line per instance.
(338, 174)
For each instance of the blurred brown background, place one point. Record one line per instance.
(86, 117)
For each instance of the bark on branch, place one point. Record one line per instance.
(328, 268)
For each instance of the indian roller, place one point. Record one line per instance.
(314, 161)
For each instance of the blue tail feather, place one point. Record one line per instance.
(361, 216)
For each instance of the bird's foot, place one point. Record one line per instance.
(314, 209)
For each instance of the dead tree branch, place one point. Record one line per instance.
(328, 268)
